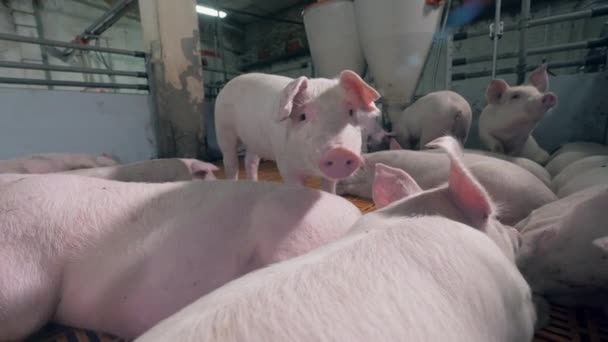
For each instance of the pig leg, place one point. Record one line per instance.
(328, 185)
(252, 162)
(27, 301)
(493, 144)
(228, 143)
(289, 177)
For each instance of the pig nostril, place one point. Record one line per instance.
(349, 162)
(329, 163)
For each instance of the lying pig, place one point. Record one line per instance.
(564, 157)
(119, 257)
(308, 126)
(512, 113)
(153, 171)
(577, 168)
(587, 179)
(430, 117)
(55, 162)
(396, 276)
(564, 250)
(516, 190)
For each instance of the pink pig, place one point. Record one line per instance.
(308, 126)
(398, 275)
(55, 162)
(119, 257)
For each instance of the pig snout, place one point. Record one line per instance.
(549, 101)
(339, 163)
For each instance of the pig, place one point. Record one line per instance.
(402, 273)
(430, 117)
(308, 126)
(586, 179)
(578, 167)
(565, 157)
(579, 146)
(516, 190)
(119, 257)
(153, 171)
(565, 248)
(55, 162)
(507, 122)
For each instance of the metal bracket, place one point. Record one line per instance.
(501, 30)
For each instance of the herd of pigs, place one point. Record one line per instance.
(465, 245)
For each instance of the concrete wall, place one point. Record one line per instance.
(37, 121)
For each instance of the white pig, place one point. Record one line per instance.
(430, 117)
(55, 162)
(153, 171)
(567, 155)
(308, 126)
(119, 257)
(578, 167)
(396, 276)
(587, 179)
(516, 190)
(512, 113)
(564, 254)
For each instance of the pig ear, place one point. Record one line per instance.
(495, 91)
(358, 91)
(391, 184)
(601, 243)
(202, 170)
(292, 93)
(539, 78)
(467, 193)
(394, 144)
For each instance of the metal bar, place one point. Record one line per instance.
(59, 83)
(523, 31)
(589, 13)
(595, 60)
(495, 37)
(29, 40)
(40, 33)
(449, 55)
(107, 19)
(221, 71)
(587, 44)
(34, 66)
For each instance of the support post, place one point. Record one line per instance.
(523, 31)
(495, 36)
(171, 36)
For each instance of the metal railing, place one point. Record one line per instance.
(523, 52)
(71, 69)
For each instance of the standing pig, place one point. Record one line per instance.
(430, 117)
(569, 154)
(153, 171)
(119, 257)
(564, 250)
(308, 126)
(512, 113)
(55, 162)
(396, 276)
(578, 167)
(516, 190)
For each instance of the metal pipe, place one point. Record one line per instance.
(495, 37)
(34, 66)
(589, 13)
(46, 42)
(523, 31)
(587, 44)
(59, 83)
(111, 16)
(40, 33)
(595, 60)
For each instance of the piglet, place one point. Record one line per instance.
(55, 162)
(512, 113)
(564, 251)
(430, 117)
(398, 275)
(119, 257)
(308, 126)
(153, 171)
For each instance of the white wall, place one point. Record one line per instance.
(37, 121)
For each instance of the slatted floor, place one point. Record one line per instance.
(582, 325)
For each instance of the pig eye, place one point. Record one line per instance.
(302, 117)
(515, 96)
(351, 112)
